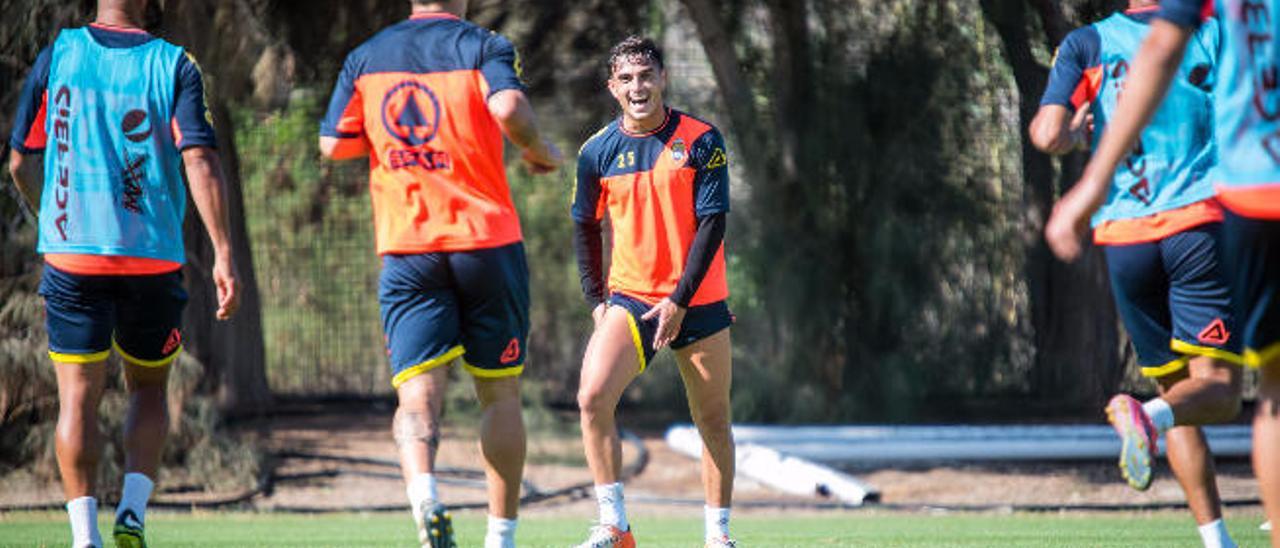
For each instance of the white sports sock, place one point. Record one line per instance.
(1214, 534)
(137, 491)
(613, 511)
(421, 488)
(501, 533)
(717, 522)
(84, 522)
(1160, 413)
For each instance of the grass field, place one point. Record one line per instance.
(1165, 529)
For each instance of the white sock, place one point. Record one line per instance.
(422, 488)
(1161, 414)
(501, 534)
(717, 522)
(1214, 534)
(613, 511)
(84, 522)
(137, 491)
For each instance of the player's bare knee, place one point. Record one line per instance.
(713, 423)
(593, 402)
(414, 427)
(496, 391)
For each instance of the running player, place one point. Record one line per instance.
(125, 112)
(662, 178)
(1246, 102)
(1160, 229)
(428, 100)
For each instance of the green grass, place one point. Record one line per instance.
(847, 529)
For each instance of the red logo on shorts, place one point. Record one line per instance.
(174, 341)
(1215, 333)
(512, 353)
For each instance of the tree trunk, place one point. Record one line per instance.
(1075, 332)
(232, 352)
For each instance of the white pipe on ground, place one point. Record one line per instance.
(785, 473)
(846, 444)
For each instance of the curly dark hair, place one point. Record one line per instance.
(635, 48)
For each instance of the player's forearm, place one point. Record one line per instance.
(208, 191)
(28, 175)
(515, 116)
(588, 246)
(1153, 71)
(706, 243)
(344, 148)
(1050, 130)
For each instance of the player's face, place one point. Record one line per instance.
(637, 85)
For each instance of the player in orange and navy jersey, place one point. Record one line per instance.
(109, 120)
(662, 178)
(428, 101)
(1246, 103)
(1161, 230)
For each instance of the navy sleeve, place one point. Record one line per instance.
(706, 243)
(711, 184)
(345, 117)
(588, 247)
(587, 212)
(587, 195)
(500, 64)
(192, 122)
(1079, 53)
(28, 135)
(1186, 13)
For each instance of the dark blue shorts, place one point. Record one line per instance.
(141, 315)
(1174, 299)
(700, 322)
(439, 306)
(1251, 251)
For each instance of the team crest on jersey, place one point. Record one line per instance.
(411, 113)
(678, 153)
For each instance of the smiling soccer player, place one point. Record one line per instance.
(662, 178)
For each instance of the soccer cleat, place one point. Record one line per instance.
(1265, 526)
(608, 536)
(1138, 439)
(721, 542)
(128, 531)
(435, 526)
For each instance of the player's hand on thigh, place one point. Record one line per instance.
(670, 316)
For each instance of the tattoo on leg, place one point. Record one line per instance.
(415, 427)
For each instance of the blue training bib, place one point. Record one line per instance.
(113, 182)
(1171, 165)
(1248, 100)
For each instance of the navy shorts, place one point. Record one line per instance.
(700, 322)
(1174, 299)
(439, 306)
(141, 316)
(1251, 251)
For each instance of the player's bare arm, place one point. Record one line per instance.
(208, 191)
(1056, 130)
(1153, 71)
(28, 174)
(339, 148)
(514, 114)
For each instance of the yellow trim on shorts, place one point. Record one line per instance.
(638, 341)
(493, 373)
(147, 363)
(411, 372)
(1256, 359)
(1183, 347)
(1170, 368)
(79, 358)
